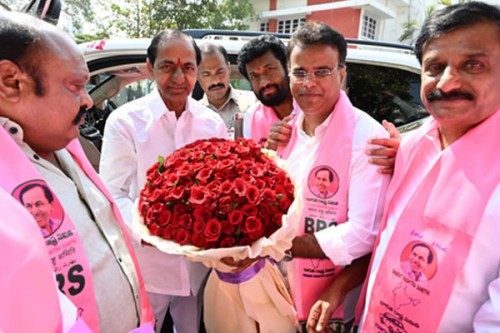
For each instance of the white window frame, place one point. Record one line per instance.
(289, 25)
(369, 27)
(264, 26)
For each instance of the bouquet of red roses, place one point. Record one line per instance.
(217, 198)
(214, 194)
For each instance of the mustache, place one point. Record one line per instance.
(439, 95)
(81, 113)
(261, 91)
(218, 85)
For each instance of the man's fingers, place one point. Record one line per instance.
(382, 152)
(386, 171)
(240, 265)
(393, 131)
(312, 320)
(386, 143)
(324, 318)
(319, 317)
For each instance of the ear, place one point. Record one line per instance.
(342, 75)
(11, 77)
(149, 65)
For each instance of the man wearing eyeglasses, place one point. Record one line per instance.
(328, 132)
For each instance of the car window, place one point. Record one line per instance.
(386, 93)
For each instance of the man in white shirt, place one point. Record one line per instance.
(329, 137)
(135, 134)
(213, 76)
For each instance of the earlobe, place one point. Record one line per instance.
(10, 76)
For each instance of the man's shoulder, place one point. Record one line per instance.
(244, 98)
(367, 126)
(136, 109)
(203, 113)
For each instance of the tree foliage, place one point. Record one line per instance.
(144, 18)
(411, 27)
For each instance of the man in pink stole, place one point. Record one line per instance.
(329, 134)
(43, 98)
(262, 61)
(445, 194)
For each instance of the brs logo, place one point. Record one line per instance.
(311, 225)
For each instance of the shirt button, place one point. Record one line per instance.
(13, 130)
(36, 157)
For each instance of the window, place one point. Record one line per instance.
(369, 27)
(386, 93)
(264, 26)
(289, 26)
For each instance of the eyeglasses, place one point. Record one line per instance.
(300, 75)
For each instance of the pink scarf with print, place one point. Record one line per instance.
(309, 278)
(71, 267)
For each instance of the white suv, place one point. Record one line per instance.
(384, 79)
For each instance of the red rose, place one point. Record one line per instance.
(212, 230)
(252, 194)
(240, 187)
(257, 171)
(235, 217)
(228, 229)
(250, 209)
(253, 225)
(199, 241)
(181, 237)
(226, 187)
(248, 178)
(164, 217)
(268, 195)
(185, 221)
(227, 242)
(198, 227)
(168, 232)
(226, 204)
(177, 193)
(199, 195)
(204, 175)
(226, 165)
(154, 229)
(202, 214)
(172, 180)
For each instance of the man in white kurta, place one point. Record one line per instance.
(329, 134)
(135, 135)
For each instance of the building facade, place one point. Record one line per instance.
(360, 19)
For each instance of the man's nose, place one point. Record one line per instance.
(178, 74)
(449, 80)
(86, 99)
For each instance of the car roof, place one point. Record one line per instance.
(392, 55)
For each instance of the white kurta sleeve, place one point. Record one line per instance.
(487, 319)
(118, 165)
